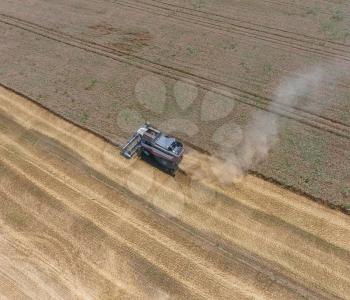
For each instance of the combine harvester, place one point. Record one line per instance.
(149, 143)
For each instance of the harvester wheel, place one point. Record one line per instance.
(172, 172)
(146, 153)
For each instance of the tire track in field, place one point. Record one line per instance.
(219, 219)
(300, 115)
(252, 25)
(94, 259)
(273, 36)
(135, 243)
(27, 264)
(199, 208)
(98, 216)
(184, 251)
(59, 254)
(142, 227)
(245, 93)
(93, 196)
(302, 7)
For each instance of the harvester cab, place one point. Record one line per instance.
(151, 144)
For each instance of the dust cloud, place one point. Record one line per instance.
(259, 135)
